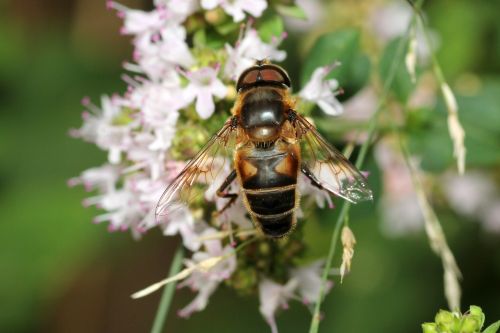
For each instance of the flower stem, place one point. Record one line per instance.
(457, 133)
(372, 129)
(435, 233)
(168, 292)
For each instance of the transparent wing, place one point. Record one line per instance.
(331, 169)
(203, 168)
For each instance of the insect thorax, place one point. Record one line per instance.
(262, 114)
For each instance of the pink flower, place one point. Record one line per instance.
(309, 280)
(124, 211)
(392, 20)
(177, 10)
(399, 205)
(182, 222)
(166, 13)
(490, 218)
(469, 194)
(249, 49)
(102, 178)
(138, 22)
(236, 8)
(159, 57)
(360, 106)
(305, 280)
(207, 281)
(474, 195)
(159, 104)
(322, 91)
(203, 86)
(314, 12)
(100, 127)
(273, 295)
(143, 157)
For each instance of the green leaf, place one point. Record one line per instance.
(462, 30)
(342, 46)
(428, 138)
(270, 27)
(359, 74)
(291, 11)
(199, 38)
(214, 40)
(480, 118)
(493, 328)
(227, 28)
(401, 86)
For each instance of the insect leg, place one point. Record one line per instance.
(222, 194)
(314, 181)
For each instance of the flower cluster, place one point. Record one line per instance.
(453, 322)
(474, 195)
(179, 83)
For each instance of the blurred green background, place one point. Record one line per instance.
(61, 273)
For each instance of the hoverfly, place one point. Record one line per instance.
(272, 143)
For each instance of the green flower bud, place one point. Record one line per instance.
(470, 324)
(188, 141)
(264, 248)
(478, 312)
(194, 23)
(429, 328)
(444, 317)
(244, 281)
(475, 310)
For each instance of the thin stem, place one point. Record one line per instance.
(245, 244)
(359, 162)
(435, 64)
(455, 128)
(168, 292)
(435, 233)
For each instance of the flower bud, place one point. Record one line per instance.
(477, 312)
(470, 324)
(264, 248)
(214, 16)
(429, 328)
(348, 242)
(231, 93)
(445, 321)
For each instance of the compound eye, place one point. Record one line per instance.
(266, 73)
(250, 77)
(272, 75)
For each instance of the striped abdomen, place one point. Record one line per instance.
(269, 179)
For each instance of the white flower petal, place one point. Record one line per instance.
(210, 4)
(322, 91)
(200, 302)
(249, 48)
(331, 106)
(254, 7)
(273, 295)
(309, 280)
(204, 104)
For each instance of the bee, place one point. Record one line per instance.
(271, 143)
